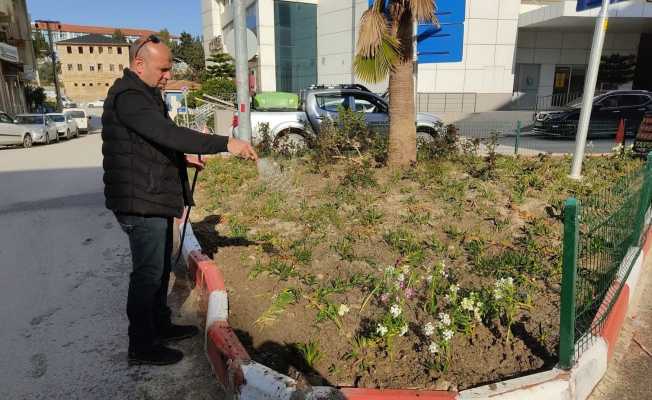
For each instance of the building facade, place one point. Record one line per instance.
(516, 53)
(17, 60)
(90, 64)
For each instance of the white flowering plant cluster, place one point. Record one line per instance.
(507, 301)
(438, 338)
(397, 287)
(436, 283)
(621, 151)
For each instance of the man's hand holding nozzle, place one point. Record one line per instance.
(242, 149)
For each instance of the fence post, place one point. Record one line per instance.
(518, 137)
(568, 289)
(646, 194)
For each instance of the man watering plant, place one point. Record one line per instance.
(146, 186)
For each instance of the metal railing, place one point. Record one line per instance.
(602, 238)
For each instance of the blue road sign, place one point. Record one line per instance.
(588, 4)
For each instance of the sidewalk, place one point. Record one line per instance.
(629, 373)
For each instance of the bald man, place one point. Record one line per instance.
(146, 186)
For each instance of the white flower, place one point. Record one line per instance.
(381, 330)
(428, 329)
(498, 294)
(445, 319)
(429, 278)
(447, 334)
(447, 298)
(404, 330)
(454, 288)
(433, 348)
(406, 269)
(400, 277)
(467, 304)
(444, 273)
(395, 310)
(343, 309)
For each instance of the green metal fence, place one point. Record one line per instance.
(600, 232)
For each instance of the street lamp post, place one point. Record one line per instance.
(53, 57)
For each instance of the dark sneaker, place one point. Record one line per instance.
(178, 332)
(158, 355)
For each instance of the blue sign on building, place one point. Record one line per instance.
(446, 42)
(588, 4)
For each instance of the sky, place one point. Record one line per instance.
(175, 15)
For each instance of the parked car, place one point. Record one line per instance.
(96, 104)
(608, 109)
(13, 134)
(40, 126)
(319, 102)
(66, 126)
(80, 117)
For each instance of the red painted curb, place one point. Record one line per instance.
(395, 394)
(209, 275)
(226, 354)
(614, 322)
(227, 341)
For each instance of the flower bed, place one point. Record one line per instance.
(438, 277)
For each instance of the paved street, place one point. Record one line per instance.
(64, 266)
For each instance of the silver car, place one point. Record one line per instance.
(40, 126)
(66, 125)
(13, 134)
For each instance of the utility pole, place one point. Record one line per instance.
(353, 15)
(241, 70)
(53, 57)
(589, 89)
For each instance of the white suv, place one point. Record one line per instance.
(80, 118)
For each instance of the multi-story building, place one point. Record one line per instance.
(17, 60)
(90, 64)
(70, 31)
(515, 52)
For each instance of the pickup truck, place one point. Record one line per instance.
(318, 103)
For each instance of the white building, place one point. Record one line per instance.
(516, 52)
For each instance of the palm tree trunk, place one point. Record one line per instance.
(402, 127)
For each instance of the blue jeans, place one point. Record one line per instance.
(150, 240)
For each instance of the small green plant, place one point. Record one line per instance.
(302, 251)
(279, 304)
(361, 352)
(507, 301)
(344, 248)
(371, 216)
(310, 352)
(238, 230)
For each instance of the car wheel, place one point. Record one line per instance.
(27, 141)
(425, 135)
(291, 142)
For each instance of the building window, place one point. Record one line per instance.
(91, 68)
(80, 50)
(69, 67)
(90, 84)
(100, 49)
(110, 50)
(76, 84)
(106, 84)
(83, 84)
(295, 36)
(119, 50)
(111, 67)
(99, 67)
(120, 67)
(79, 67)
(69, 49)
(90, 49)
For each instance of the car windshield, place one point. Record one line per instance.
(76, 114)
(30, 119)
(58, 118)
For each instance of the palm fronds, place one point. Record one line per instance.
(424, 11)
(376, 68)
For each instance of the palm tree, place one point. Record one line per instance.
(385, 46)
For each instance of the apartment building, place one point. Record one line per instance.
(17, 60)
(90, 64)
(515, 52)
(65, 31)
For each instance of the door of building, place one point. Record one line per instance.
(527, 84)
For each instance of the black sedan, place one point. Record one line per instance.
(608, 110)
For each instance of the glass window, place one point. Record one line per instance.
(632, 100)
(77, 114)
(120, 67)
(90, 49)
(608, 102)
(76, 84)
(330, 102)
(111, 67)
(79, 67)
(80, 50)
(251, 16)
(100, 49)
(69, 49)
(110, 50)
(119, 50)
(91, 68)
(99, 67)
(295, 35)
(30, 119)
(69, 67)
(368, 104)
(57, 118)
(90, 84)
(4, 118)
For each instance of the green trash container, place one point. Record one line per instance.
(276, 101)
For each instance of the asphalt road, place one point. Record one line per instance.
(64, 266)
